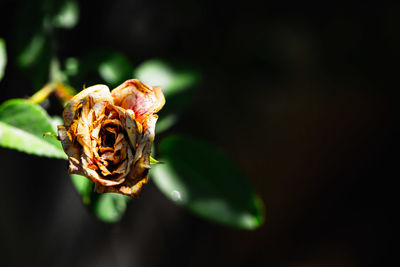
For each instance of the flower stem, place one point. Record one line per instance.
(62, 91)
(43, 93)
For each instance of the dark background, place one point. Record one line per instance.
(300, 96)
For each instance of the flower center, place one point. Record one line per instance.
(108, 136)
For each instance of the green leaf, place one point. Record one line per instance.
(172, 80)
(84, 187)
(3, 57)
(35, 35)
(55, 72)
(32, 51)
(201, 178)
(56, 121)
(34, 58)
(110, 207)
(71, 66)
(177, 84)
(165, 122)
(67, 16)
(115, 69)
(156, 73)
(22, 125)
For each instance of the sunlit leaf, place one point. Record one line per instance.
(159, 73)
(115, 69)
(56, 121)
(84, 187)
(68, 15)
(22, 125)
(155, 73)
(110, 207)
(3, 57)
(177, 84)
(201, 178)
(165, 122)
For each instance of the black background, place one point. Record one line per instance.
(299, 95)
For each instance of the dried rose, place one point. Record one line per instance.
(108, 136)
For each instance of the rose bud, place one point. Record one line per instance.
(108, 136)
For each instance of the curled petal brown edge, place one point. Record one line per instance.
(139, 97)
(133, 95)
(98, 92)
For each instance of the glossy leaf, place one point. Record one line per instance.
(22, 125)
(56, 121)
(3, 58)
(159, 73)
(84, 187)
(115, 69)
(201, 178)
(156, 73)
(110, 207)
(177, 85)
(165, 122)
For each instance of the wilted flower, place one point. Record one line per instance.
(108, 135)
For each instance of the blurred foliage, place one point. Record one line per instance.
(67, 15)
(36, 43)
(172, 80)
(193, 173)
(71, 66)
(115, 68)
(3, 58)
(99, 65)
(197, 175)
(22, 125)
(108, 207)
(177, 83)
(83, 186)
(32, 51)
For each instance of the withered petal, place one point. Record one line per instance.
(128, 189)
(141, 162)
(71, 150)
(139, 97)
(99, 109)
(107, 156)
(108, 136)
(146, 141)
(97, 92)
(132, 130)
(105, 149)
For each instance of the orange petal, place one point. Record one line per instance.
(97, 92)
(71, 149)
